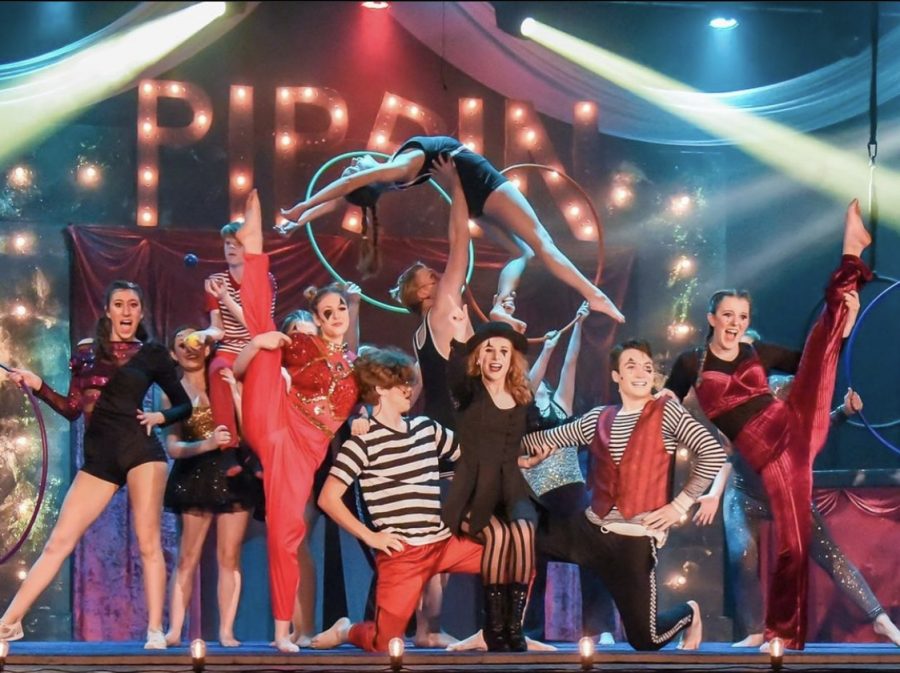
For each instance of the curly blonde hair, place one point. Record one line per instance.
(517, 383)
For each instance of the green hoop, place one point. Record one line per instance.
(328, 267)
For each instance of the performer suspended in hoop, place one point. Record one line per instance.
(492, 200)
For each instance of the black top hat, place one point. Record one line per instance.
(492, 329)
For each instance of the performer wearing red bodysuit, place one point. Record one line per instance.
(291, 430)
(778, 439)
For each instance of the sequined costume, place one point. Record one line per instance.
(745, 506)
(199, 483)
(108, 393)
(781, 438)
(290, 431)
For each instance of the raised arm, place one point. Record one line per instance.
(565, 391)
(353, 295)
(539, 369)
(448, 292)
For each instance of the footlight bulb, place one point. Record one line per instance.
(395, 650)
(776, 653)
(198, 654)
(586, 650)
(4, 650)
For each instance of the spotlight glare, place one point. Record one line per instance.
(241, 92)
(528, 26)
(621, 196)
(376, 5)
(21, 244)
(88, 175)
(20, 311)
(19, 178)
(202, 119)
(723, 23)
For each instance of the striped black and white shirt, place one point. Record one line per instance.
(678, 428)
(399, 476)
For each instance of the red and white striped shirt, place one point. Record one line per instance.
(236, 335)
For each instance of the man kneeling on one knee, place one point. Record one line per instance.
(396, 463)
(631, 449)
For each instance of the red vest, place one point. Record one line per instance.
(641, 480)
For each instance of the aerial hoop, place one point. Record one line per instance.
(324, 260)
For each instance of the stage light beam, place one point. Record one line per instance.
(807, 160)
(39, 103)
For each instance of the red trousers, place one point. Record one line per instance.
(289, 448)
(220, 399)
(401, 578)
(782, 442)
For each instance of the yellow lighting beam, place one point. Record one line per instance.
(34, 103)
(814, 163)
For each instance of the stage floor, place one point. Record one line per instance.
(64, 657)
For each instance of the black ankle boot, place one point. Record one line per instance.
(495, 618)
(517, 597)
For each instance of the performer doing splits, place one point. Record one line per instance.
(396, 463)
(778, 439)
(631, 450)
(492, 200)
(110, 376)
(290, 430)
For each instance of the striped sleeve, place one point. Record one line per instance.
(678, 424)
(446, 443)
(580, 431)
(350, 461)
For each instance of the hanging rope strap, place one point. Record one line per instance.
(873, 132)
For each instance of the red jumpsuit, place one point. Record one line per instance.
(290, 431)
(781, 442)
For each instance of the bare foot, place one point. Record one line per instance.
(439, 640)
(333, 637)
(883, 626)
(603, 304)
(226, 640)
(753, 640)
(294, 212)
(538, 646)
(500, 315)
(285, 645)
(856, 238)
(250, 233)
(473, 642)
(300, 640)
(173, 639)
(692, 636)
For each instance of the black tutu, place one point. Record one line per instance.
(199, 484)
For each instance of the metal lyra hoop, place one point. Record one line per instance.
(848, 355)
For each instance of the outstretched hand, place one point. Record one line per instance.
(270, 341)
(663, 518)
(706, 512)
(853, 403)
(25, 377)
(443, 170)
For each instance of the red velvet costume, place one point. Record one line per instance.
(782, 440)
(289, 430)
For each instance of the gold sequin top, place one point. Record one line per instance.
(199, 426)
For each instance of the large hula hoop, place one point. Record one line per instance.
(848, 354)
(42, 487)
(324, 260)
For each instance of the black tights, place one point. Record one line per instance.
(508, 551)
